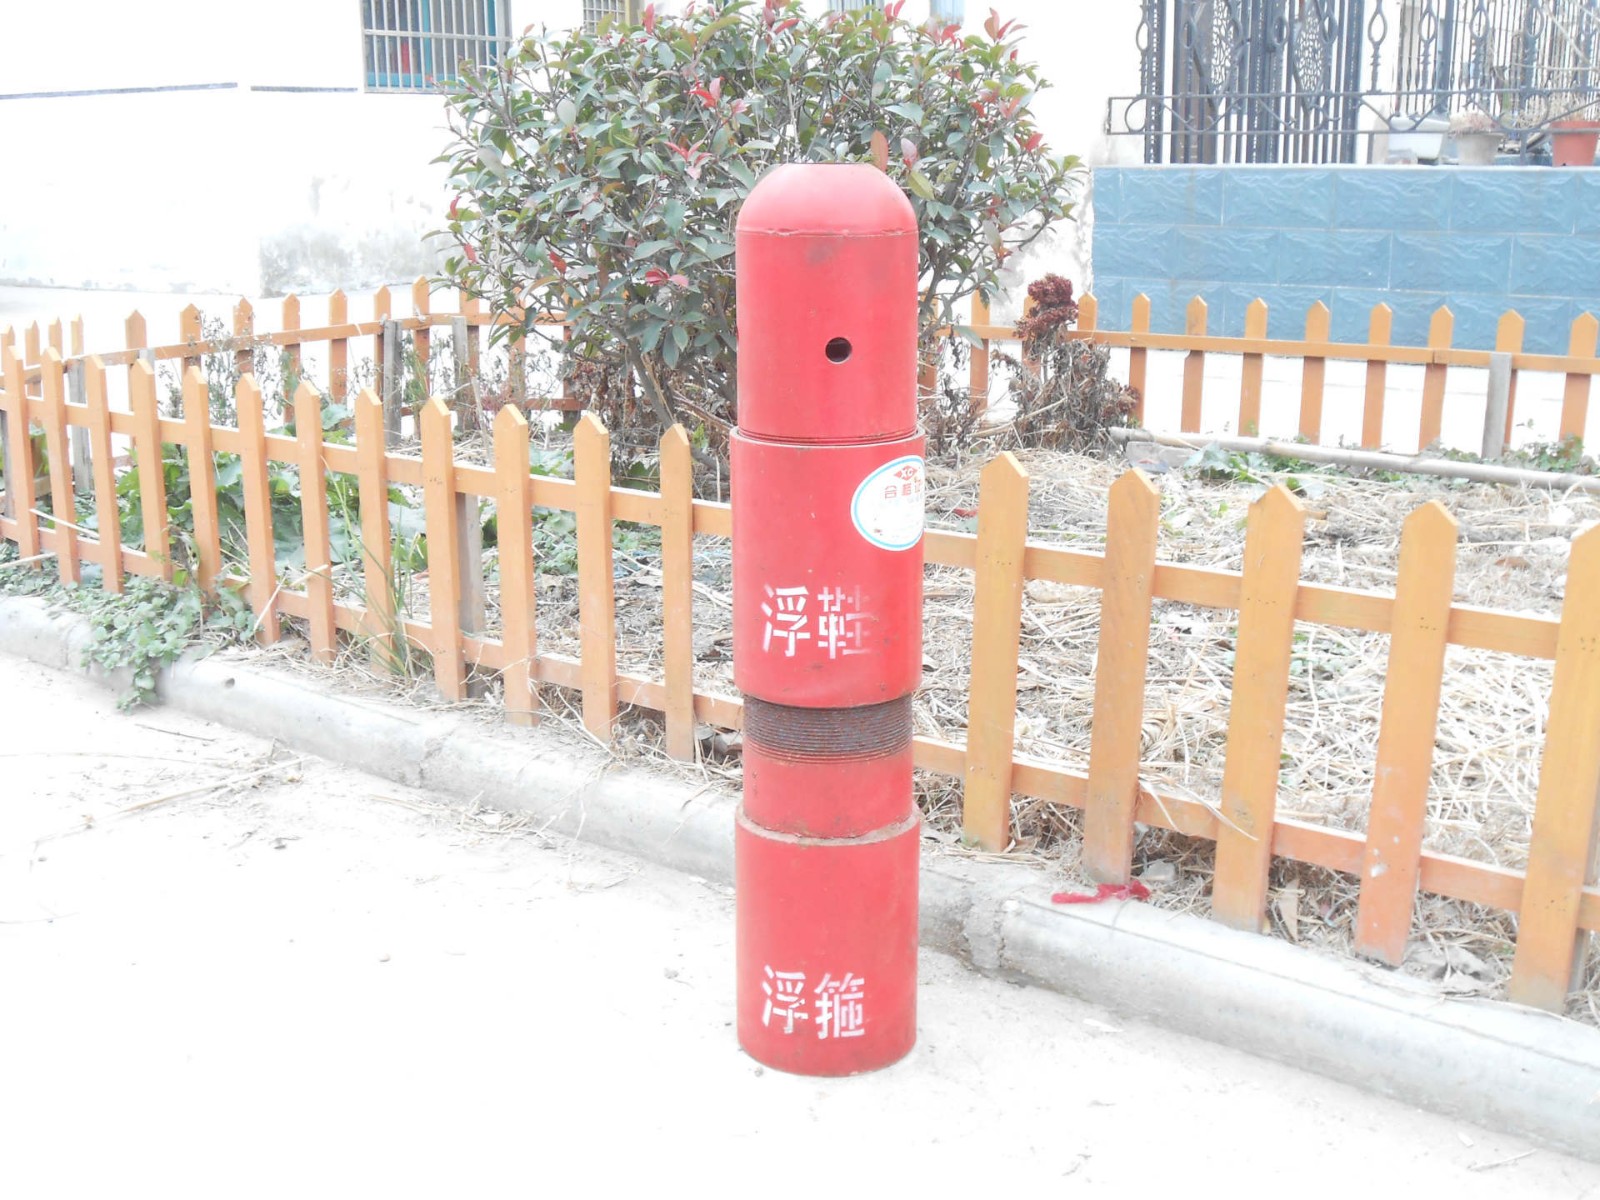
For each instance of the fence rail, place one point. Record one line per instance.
(1556, 898)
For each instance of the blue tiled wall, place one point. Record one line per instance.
(1481, 240)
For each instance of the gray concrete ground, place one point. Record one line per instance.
(286, 976)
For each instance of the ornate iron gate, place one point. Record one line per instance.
(1250, 80)
(1501, 56)
(1264, 81)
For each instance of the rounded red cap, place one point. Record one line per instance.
(826, 257)
(844, 199)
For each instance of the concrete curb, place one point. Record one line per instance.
(1491, 1063)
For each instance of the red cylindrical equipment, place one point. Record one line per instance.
(826, 615)
(828, 486)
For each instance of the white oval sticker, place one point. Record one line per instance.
(888, 506)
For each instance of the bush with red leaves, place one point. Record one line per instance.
(1053, 308)
(1064, 397)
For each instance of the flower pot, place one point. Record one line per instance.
(1477, 149)
(1572, 142)
(1421, 138)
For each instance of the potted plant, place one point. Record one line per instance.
(1477, 137)
(1575, 131)
(1416, 137)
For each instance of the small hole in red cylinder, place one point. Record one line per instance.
(838, 349)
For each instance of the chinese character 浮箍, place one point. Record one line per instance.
(786, 999)
(785, 610)
(841, 1006)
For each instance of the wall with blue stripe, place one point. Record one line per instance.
(1480, 240)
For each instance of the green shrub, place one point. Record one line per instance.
(601, 175)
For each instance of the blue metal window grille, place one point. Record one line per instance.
(595, 11)
(421, 45)
(944, 10)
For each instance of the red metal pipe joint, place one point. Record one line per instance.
(827, 637)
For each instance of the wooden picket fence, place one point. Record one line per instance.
(464, 328)
(1556, 898)
(1579, 365)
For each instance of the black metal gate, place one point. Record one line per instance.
(1251, 80)
(1500, 56)
(1281, 81)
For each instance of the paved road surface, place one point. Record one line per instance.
(322, 984)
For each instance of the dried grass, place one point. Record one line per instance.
(1492, 712)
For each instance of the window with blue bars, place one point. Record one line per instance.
(595, 11)
(422, 45)
(944, 10)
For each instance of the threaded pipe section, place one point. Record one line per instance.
(837, 734)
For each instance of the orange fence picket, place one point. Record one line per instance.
(597, 614)
(1138, 365)
(444, 583)
(978, 367)
(1379, 326)
(471, 309)
(244, 330)
(372, 492)
(1132, 523)
(55, 441)
(677, 591)
(422, 309)
(147, 456)
(314, 515)
(996, 617)
(1255, 327)
(1262, 651)
(1575, 396)
(190, 337)
(257, 483)
(1194, 367)
(107, 517)
(201, 454)
(514, 521)
(1406, 734)
(1314, 372)
(21, 469)
(1561, 854)
(380, 367)
(338, 349)
(1434, 378)
(291, 329)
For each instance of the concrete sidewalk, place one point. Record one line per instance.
(1494, 1064)
(317, 982)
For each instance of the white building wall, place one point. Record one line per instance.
(1087, 53)
(252, 160)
